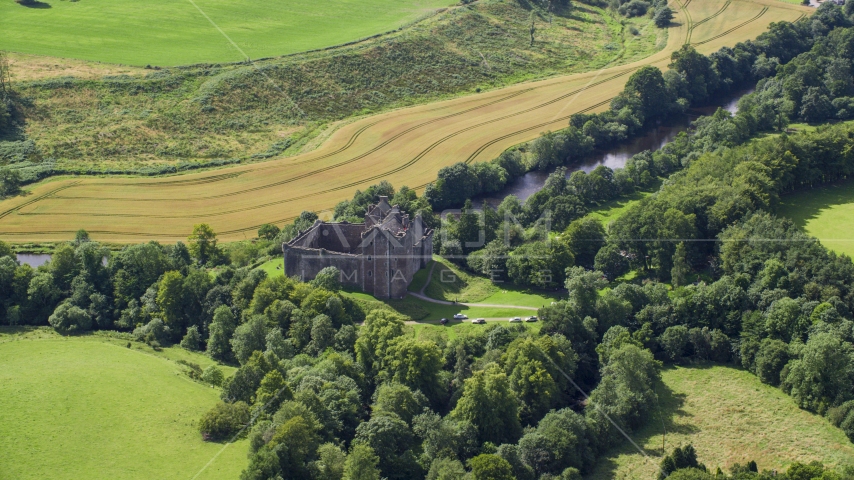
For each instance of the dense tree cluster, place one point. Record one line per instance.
(692, 80)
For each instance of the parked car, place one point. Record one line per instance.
(516, 320)
(479, 321)
(443, 321)
(532, 318)
(460, 316)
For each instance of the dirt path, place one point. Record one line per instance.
(429, 278)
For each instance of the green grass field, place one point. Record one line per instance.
(89, 407)
(730, 417)
(274, 267)
(168, 32)
(452, 331)
(451, 283)
(826, 213)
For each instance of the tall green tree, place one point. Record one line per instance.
(490, 467)
(202, 243)
(681, 269)
(221, 330)
(647, 85)
(170, 299)
(361, 463)
(489, 403)
(823, 374)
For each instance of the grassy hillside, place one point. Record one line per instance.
(730, 417)
(178, 33)
(89, 407)
(826, 213)
(196, 114)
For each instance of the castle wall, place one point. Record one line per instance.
(340, 237)
(306, 263)
(378, 263)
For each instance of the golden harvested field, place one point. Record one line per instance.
(405, 147)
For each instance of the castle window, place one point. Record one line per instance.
(370, 273)
(370, 258)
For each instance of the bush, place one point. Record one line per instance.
(213, 375)
(193, 370)
(68, 317)
(10, 181)
(224, 420)
(681, 458)
(635, 8)
(770, 360)
(673, 341)
(192, 340)
(154, 333)
(662, 17)
(268, 231)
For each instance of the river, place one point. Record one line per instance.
(616, 157)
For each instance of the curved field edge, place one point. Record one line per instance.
(87, 407)
(730, 417)
(179, 33)
(213, 113)
(406, 147)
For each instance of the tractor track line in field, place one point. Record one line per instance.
(488, 144)
(727, 32)
(278, 202)
(35, 200)
(395, 170)
(321, 172)
(695, 25)
(358, 157)
(689, 22)
(326, 155)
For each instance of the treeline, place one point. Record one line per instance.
(682, 464)
(692, 80)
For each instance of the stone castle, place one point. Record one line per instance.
(379, 256)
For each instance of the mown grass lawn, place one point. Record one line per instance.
(166, 33)
(453, 330)
(826, 213)
(274, 267)
(730, 417)
(90, 407)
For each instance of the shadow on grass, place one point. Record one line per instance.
(669, 417)
(806, 205)
(34, 4)
(17, 329)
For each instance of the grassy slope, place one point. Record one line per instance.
(113, 412)
(200, 113)
(730, 417)
(826, 213)
(451, 283)
(176, 33)
(451, 331)
(274, 267)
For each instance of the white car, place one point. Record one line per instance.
(516, 320)
(460, 316)
(532, 318)
(479, 321)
